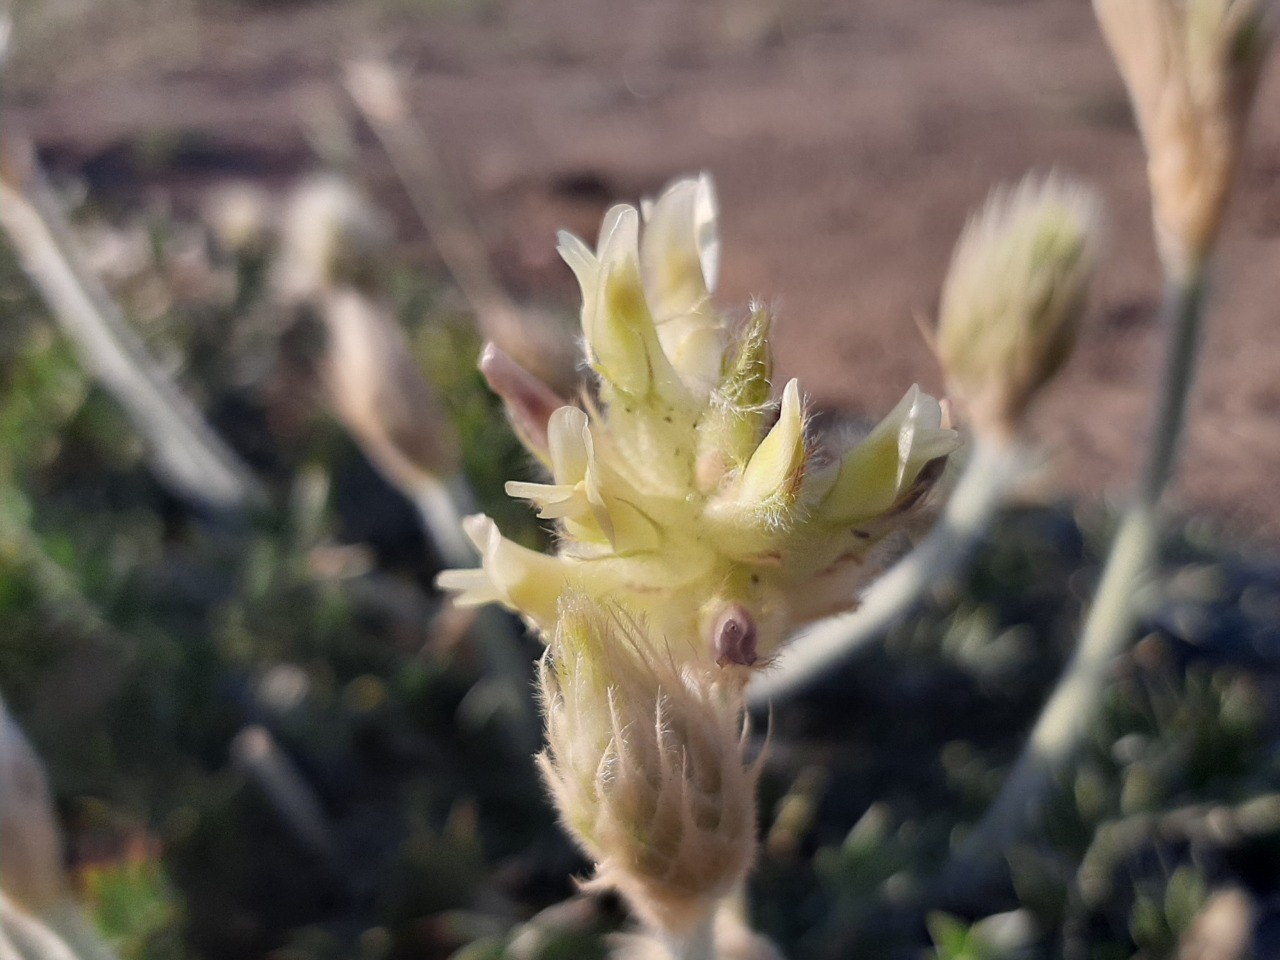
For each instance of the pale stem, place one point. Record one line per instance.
(23, 937)
(1110, 624)
(698, 944)
(442, 503)
(994, 469)
(378, 93)
(184, 450)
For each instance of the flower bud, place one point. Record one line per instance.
(1191, 68)
(520, 579)
(1014, 296)
(680, 259)
(729, 431)
(646, 765)
(772, 476)
(529, 402)
(733, 636)
(881, 472)
(331, 236)
(616, 321)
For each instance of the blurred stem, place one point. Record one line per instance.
(23, 937)
(184, 451)
(1110, 624)
(442, 503)
(379, 95)
(1183, 312)
(994, 469)
(68, 920)
(698, 944)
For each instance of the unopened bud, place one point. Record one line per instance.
(1191, 68)
(1014, 296)
(646, 766)
(729, 432)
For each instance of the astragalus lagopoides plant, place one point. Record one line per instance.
(697, 528)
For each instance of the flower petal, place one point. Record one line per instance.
(517, 577)
(878, 470)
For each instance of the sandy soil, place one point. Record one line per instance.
(848, 141)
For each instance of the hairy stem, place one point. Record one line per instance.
(1109, 627)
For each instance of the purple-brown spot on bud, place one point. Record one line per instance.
(733, 637)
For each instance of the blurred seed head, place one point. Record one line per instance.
(381, 396)
(240, 215)
(1191, 68)
(1014, 297)
(331, 236)
(646, 764)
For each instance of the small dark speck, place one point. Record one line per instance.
(862, 535)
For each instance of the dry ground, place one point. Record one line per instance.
(848, 140)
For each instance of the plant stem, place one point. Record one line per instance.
(994, 468)
(1110, 624)
(185, 452)
(698, 944)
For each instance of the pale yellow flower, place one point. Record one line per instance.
(684, 492)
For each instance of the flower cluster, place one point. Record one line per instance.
(647, 768)
(697, 528)
(683, 493)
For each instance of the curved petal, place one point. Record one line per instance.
(878, 470)
(517, 577)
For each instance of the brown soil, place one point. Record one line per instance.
(848, 140)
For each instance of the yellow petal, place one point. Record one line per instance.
(776, 468)
(520, 579)
(874, 473)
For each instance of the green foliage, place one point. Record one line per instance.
(136, 908)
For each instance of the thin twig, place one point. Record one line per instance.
(23, 937)
(185, 452)
(378, 93)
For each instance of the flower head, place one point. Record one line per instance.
(683, 492)
(1014, 296)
